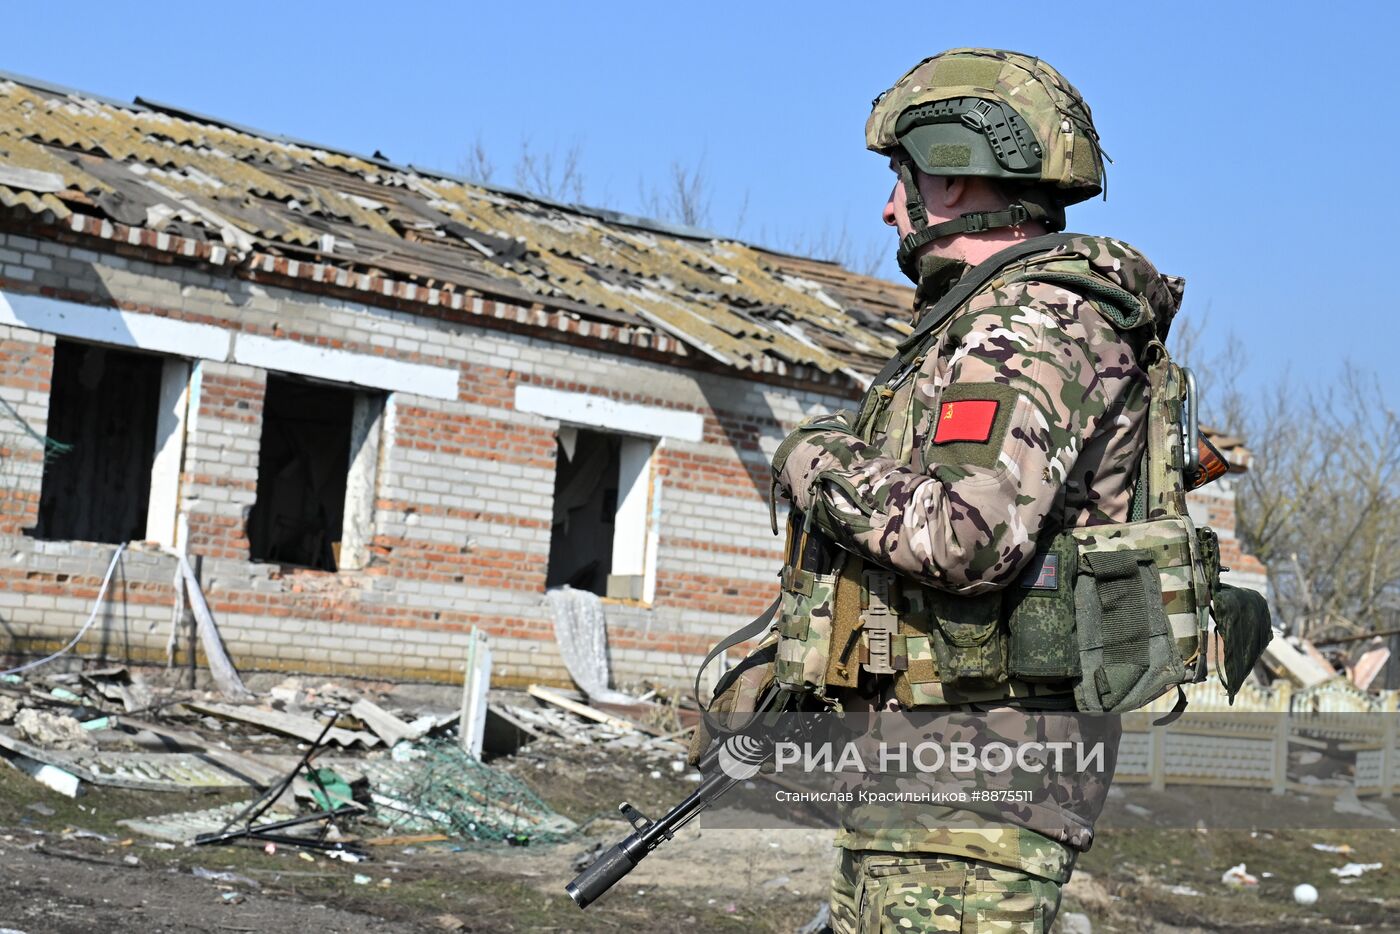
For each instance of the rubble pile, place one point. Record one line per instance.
(325, 767)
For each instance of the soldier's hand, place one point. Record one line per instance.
(840, 421)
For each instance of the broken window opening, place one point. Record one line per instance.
(585, 507)
(105, 404)
(599, 533)
(304, 461)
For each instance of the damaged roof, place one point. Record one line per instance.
(156, 176)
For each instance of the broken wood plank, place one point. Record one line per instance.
(634, 714)
(384, 724)
(220, 667)
(302, 728)
(583, 710)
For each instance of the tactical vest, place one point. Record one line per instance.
(1104, 618)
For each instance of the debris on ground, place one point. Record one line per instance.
(1354, 870)
(1075, 923)
(1340, 849)
(199, 872)
(1238, 877)
(821, 921)
(58, 731)
(327, 768)
(385, 725)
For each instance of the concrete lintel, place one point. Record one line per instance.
(601, 412)
(107, 325)
(343, 366)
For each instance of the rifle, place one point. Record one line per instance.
(1204, 462)
(647, 834)
(1210, 464)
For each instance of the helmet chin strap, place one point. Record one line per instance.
(1030, 207)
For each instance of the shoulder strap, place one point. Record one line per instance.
(1165, 489)
(969, 284)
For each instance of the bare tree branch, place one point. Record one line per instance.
(559, 179)
(476, 165)
(684, 198)
(1319, 502)
(838, 246)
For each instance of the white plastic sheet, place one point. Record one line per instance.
(581, 630)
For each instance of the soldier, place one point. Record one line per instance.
(1017, 411)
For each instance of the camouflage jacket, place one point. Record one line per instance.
(1028, 413)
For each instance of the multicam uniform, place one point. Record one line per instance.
(1027, 416)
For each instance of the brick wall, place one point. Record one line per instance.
(26, 359)
(220, 478)
(463, 504)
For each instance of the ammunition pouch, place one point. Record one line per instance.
(1140, 617)
(806, 611)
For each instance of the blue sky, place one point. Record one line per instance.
(1251, 141)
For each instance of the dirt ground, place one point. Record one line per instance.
(68, 867)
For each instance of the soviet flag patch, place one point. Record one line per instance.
(965, 420)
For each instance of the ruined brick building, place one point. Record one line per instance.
(379, 405)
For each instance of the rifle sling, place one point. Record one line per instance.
(744, 633)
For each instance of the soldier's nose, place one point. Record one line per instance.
(887, 214)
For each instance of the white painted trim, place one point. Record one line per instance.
(592, 411)
(629, 553)
(107, 325)
(361, 482)
(653, 533)
(162, 512)
(343, 366)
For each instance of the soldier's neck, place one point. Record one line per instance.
(939, 273)
(974, 249)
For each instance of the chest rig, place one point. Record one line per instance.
(1104, 618)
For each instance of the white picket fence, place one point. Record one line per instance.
(1223, 745)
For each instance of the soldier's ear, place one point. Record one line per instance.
(954, 190)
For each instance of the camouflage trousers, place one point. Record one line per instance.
(877, 892)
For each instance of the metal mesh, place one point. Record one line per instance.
(52, 448)
(447, 791)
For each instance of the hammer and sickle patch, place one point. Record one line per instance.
(965, 420)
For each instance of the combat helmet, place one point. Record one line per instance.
(993, 114)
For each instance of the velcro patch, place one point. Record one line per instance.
(952, 156)
(1043, 573)
(965, 420)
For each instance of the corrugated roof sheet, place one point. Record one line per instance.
(244, 196)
